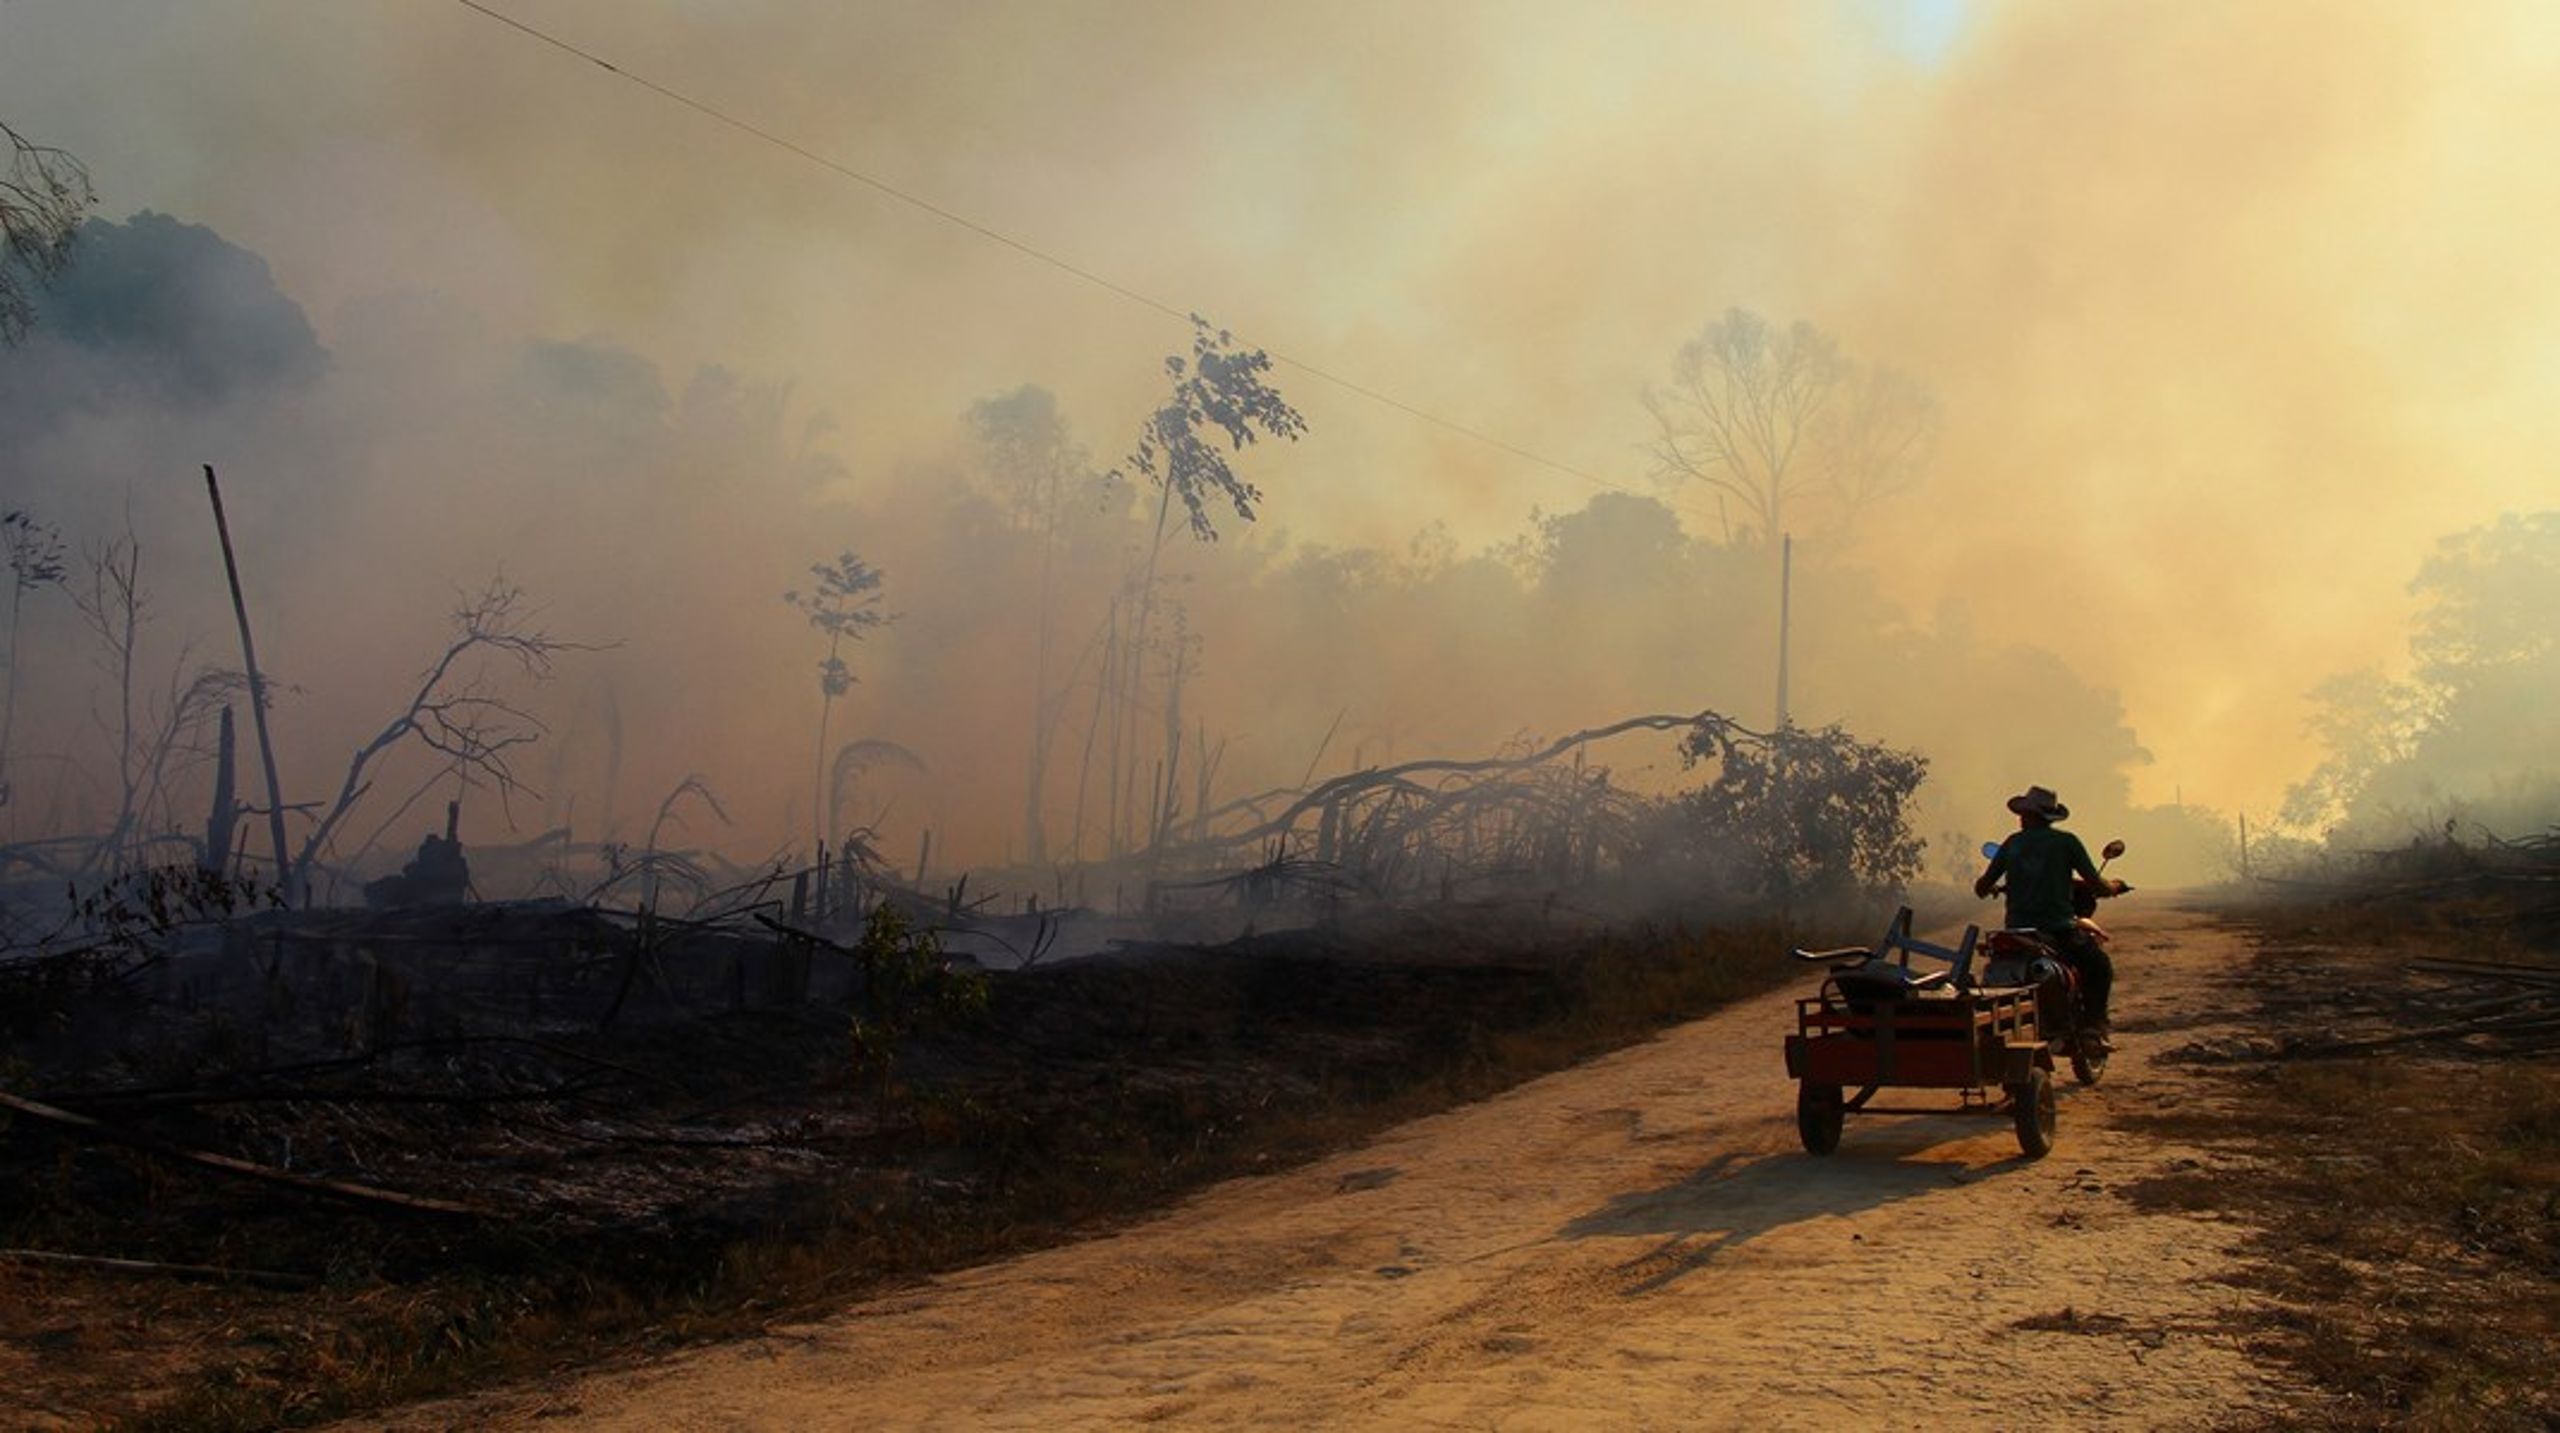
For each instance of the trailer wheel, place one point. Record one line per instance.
(2031, 1104)
(1819, 1114)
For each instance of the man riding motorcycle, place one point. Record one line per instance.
(2039, 861)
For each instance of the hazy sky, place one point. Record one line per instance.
(2233, 308)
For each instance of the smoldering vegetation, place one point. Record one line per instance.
(657, 1021)
(657, 523)
(684, 658)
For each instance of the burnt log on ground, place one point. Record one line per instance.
(193, 1273)
(83, 1127)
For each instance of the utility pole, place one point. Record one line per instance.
(1786, 584)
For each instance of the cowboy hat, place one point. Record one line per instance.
(2040, 801)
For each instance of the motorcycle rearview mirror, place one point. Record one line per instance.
(1990, 849)
(2113, 850)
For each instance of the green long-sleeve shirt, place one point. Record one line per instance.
(2039, 862)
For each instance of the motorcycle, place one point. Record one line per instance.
(2028, 958)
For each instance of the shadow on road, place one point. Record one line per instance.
(1739, 1196)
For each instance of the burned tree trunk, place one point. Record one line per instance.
(220, 821)
(285, 870)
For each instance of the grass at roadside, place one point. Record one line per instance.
(2408, 1200)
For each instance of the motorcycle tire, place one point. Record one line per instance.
(2088, 1059)
(1820, 1111)
(2032, 1105)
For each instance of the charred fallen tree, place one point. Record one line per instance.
(1779, 816)
(1546, 804)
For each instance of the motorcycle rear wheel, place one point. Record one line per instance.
(2088, 1058)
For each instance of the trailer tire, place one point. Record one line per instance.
(1820, 1111)
(2032, 1105)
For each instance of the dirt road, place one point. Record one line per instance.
(1637, 1242)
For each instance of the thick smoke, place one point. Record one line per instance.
(2232, 311)
(662, 520)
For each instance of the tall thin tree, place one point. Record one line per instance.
(1220, 389)
(1040, 472)
(845, 605)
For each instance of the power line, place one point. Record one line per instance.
(1027, 250)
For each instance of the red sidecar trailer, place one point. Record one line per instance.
(1877, 1025)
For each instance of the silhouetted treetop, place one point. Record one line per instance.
(1767, 417)
(1219, 388)
(44, 194)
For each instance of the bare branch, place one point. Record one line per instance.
(457, 718)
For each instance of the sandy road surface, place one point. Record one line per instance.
(1637, 1242)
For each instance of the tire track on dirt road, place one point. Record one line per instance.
(1636, 1242)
